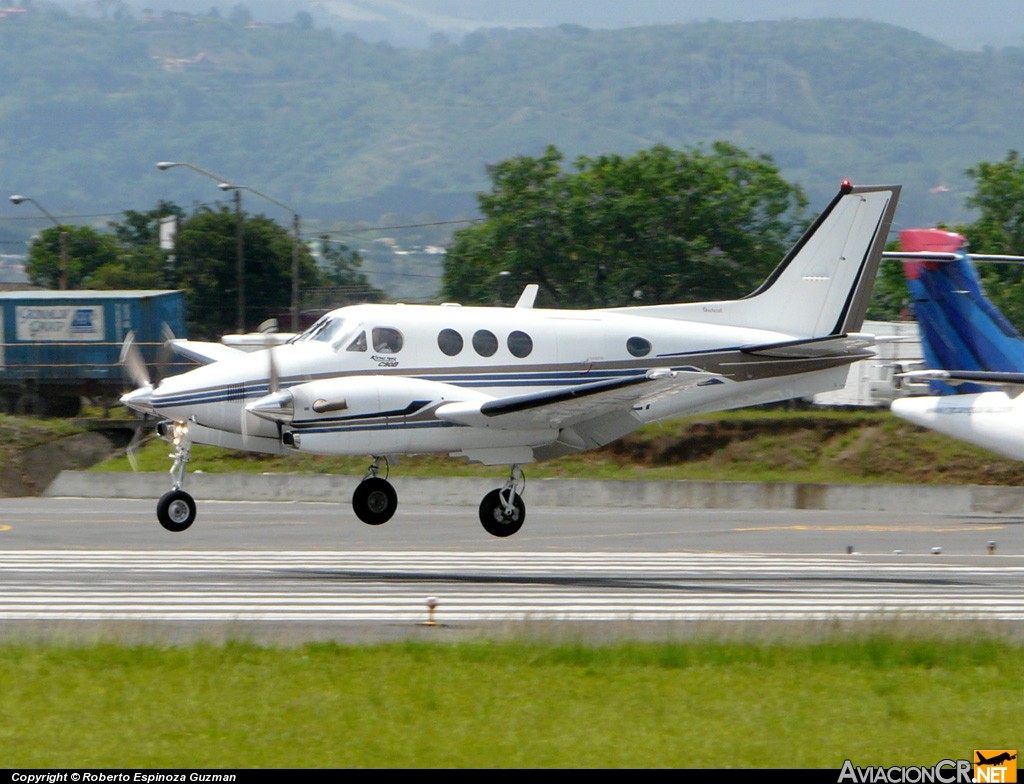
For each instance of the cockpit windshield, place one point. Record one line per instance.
(326, 330)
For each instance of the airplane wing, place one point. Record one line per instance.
(569, 406)
(203, 352)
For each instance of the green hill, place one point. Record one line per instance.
(342, 129)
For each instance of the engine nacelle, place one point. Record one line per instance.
(359, 414)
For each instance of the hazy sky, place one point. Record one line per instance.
(966, 25)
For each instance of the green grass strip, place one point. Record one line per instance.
(700, 704)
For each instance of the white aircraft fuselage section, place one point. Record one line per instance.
(993, 420)
(450, 354)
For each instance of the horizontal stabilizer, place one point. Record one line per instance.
(203, 352)
(853, 344)
(563, 407)
(925, 255)
(989, 377)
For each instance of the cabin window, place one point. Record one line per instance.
(638, 347)
(387, 340)
(450, 342)
(520, 344)
(359, 344)
(485, 343)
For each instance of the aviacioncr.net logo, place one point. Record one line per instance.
(943, 772)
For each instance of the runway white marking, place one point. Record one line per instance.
(598, 586)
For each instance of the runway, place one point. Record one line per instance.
(68, 564)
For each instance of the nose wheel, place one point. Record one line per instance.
(176, 510)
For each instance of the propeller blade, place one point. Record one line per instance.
(275, 381)
(135, 442)
(163, 357)
(132, 361)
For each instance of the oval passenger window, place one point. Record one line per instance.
(450, 342)
(520, 344)
(484, 343)
(638, 347)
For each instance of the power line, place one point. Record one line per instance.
(312, 234)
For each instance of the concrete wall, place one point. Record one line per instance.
(558, 492)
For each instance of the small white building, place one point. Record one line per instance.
(873, 382)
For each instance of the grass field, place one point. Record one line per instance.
(900, 697)
(875, 700)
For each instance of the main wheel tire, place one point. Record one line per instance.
(374, 501)
(176, 510)
(494, 518)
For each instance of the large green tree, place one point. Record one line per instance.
(999, 198)
(85, 252)
(659, 226)
(206, 257)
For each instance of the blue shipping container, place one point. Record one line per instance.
(56, 346)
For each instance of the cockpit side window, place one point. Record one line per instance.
(387, 340)
(359, 344)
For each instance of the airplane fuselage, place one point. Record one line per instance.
(382, 370)
(993, 420)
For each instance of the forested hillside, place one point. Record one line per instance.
(342, 130)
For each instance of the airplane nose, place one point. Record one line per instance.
(140, 399)
(275, 407)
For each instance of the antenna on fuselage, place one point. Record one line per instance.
(528, 296)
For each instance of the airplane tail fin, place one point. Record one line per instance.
(822, 286)
(960, 328)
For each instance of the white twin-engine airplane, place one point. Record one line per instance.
(507, 386)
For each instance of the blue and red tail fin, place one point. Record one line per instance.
(960, 329)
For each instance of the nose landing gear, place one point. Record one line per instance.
(176, 509)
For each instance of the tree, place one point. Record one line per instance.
(206, 267)
(87, 252)
(999, 195)
(141, 263)
(660, 226)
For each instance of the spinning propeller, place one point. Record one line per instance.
(137, 373)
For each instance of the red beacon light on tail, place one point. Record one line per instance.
(846, 187)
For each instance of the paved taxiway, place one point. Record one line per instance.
(314, 571)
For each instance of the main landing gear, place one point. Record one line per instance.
(176, 509)
(502, 512)
(375, 500)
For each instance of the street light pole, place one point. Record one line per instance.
(62, 239)
(239, 242)
(296, 240)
